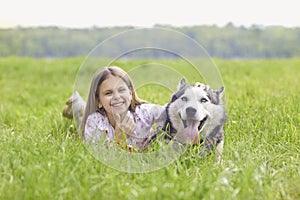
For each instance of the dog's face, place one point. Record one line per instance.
(187, 112)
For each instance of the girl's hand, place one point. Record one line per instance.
(124, 125)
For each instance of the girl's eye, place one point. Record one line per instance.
(203, 100)
(122, 90)
(184, 98)
(108, 93)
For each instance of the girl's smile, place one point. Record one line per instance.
(117, 104)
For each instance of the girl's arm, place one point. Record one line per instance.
(94, 128)
(124, 125)
(157, 113)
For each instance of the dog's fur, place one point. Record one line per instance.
(196, 115)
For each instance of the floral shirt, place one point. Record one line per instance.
(145, 115)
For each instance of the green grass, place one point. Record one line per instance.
(42, 158)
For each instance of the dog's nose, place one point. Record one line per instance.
(190, 112)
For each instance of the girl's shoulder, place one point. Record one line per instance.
(95, 124)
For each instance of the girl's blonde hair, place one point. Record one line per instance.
(93, 97)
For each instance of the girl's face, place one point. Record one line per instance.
(115, 96)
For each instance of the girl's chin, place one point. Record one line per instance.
(120, 110)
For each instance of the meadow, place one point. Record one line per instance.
(41, 156)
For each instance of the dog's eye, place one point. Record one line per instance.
(203, 100)
(184, 98)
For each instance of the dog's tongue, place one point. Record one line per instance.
(191, 132)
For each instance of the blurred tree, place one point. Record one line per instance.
(226, 42)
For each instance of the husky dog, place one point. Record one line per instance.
(196, 115)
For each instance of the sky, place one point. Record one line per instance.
(147, 13)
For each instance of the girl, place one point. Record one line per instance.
(113, 108)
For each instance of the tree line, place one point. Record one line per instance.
(225, 42)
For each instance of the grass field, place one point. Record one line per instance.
(41, 157)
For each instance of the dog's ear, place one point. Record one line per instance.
(220, 92)
(216, 95)
(182, 83)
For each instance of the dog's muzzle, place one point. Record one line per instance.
(192, 128)
(202, 122)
